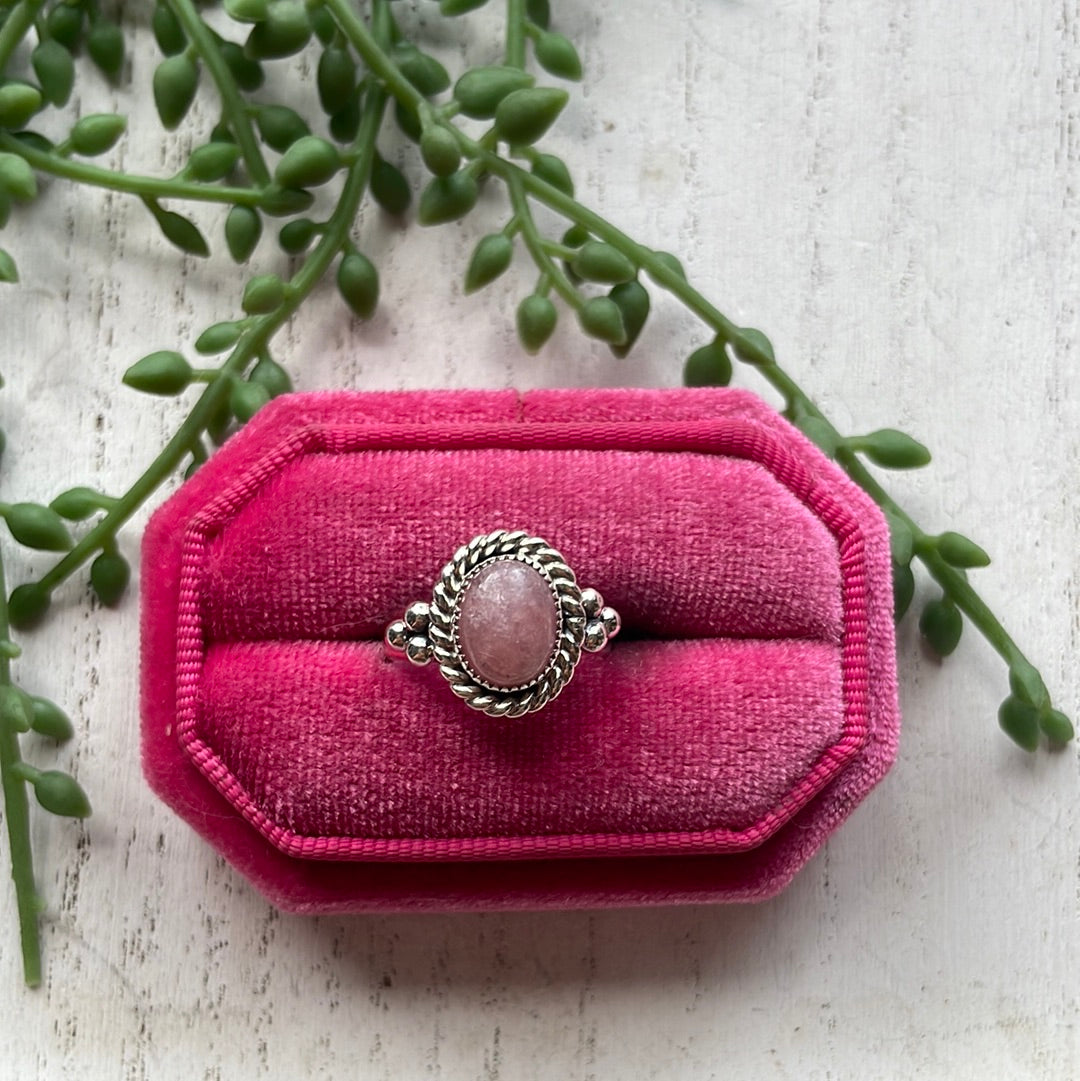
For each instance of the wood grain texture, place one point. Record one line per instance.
(890, 191)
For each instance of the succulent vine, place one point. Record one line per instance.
(260, 162)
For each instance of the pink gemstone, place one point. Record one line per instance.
(508, 623)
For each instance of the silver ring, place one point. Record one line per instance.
(507, 624)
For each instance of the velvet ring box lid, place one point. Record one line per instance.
(748, 706)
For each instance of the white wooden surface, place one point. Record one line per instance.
(889, 189)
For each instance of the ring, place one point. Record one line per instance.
(507, 624)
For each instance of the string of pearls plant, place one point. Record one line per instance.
(262, 161)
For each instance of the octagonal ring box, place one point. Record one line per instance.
(748, 705)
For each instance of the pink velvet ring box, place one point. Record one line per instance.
(748, 705)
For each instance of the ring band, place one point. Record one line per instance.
(507, 624)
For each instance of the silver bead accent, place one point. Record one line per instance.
(611, 621)
(396, 636)
(419, 650)
(417, 616)
(592, 602)
(595, 636)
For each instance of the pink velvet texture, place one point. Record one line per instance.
(748, 705)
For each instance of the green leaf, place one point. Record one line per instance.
(901, 539)
(708, 366)
(16, 710)
(105, 44)
(596, 261)
(891, 449)
(18, 102)
(575, 236)
(48, 719)
(752, 347)
(285, 30)
(281, 202)
(9, 272)
(279, 126)
(632, 299)
(1056, 726)
(958, 551)
(389, 188)
(248, 73)
(243, 227)
(447, 198)
(553, 171)
(182, 232)
(539, 12)
(168, 33)
(77, 504)
(97, 133)
(439, 149)
(423, 71)
(903, 589)
(263, 294)
(65, 25)
(59, 793)
(296, 235)
(271, 375)
(213, 161)
(246, 399)
(322, 22)
(358, 283)
(175, 81)
(38, 527)
(600, 318)
(165, 372)
(408, 121)
(335, 79)
(536, 319)
(459, 7)
(218, 426)
(27, 605)
(308, 162)
(5, 208)
(489, 259)
(16, 177)
(248, 11)
(55, 70)
(523, 116)
(670, 262)
(218, 338)
(345, 123)
(941, 625)
(109, 577)
(1020, 722)
(1027, 685)
(819, 432)
(557, 55)
(480, 90)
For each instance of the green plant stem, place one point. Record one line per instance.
(232, 103)
(535, 245)
(151, 187)
(252, 344)
(956, 587)
(515, 33)
(15, 27)
(17, 813)
(521, 183)
(953, 583)
(377, 59)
